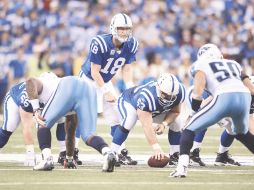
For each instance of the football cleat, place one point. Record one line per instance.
(225, 159)
(181, 172)
(30, 159)
(75, 156)
(70, 164)
(124, 159)
(45, 165)
(194, 157)
(109, 159)
(61, 157)
(173, 159)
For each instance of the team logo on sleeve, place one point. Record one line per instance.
(141, 103)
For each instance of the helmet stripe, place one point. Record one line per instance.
(173, 84)
(125, 18)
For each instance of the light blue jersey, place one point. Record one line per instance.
(104, 53)
(73, 94)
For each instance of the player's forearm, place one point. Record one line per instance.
(128, 76)
(95, 72)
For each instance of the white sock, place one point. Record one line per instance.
(30, 148)
(196, 145)
(46, 152)
(76, 142)
(173, 149)
(123, 146)
(105, 149)
(183, 160)
(223, 149)
(115, 147)
(62, 146)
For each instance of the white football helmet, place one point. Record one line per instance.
(209, 51)
(124, 21)
(168, 87)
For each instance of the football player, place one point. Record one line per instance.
(157, 101)
(108, 54)
(17, 108)
(72, 95)
(223, 79)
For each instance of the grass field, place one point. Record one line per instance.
(89, 176)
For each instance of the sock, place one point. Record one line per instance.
(200, 136)
(113, 129)
(186, 141)
(183, 160)
(4, 137)
(104, 150)
(97, 143)
(196, 145)
(120, 135)
(76, 142)
(44, 137)
(174, 137)
(62, 146)
(115, 147)
(60, 132)
(46, 152)
(226, 139)
(222, 149)
(247, 140)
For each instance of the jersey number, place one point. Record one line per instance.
(225, 70)
(117, 64)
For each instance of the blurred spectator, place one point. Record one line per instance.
(171, 30)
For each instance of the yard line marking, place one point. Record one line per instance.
(129, 169)
(123, 183)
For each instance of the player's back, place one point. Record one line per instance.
(222, 75)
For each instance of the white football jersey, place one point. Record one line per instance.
(222, 75)
(50, 82)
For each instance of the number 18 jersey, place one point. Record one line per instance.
(104, 53)
(222, 75)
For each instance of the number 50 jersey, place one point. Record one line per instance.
(222, 75)
(104, 53)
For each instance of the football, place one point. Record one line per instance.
(152, 162)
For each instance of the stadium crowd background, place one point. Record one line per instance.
(54, 35)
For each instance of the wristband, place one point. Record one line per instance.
(156, 146)
(35, 104)
(195, 104)
(164, 123)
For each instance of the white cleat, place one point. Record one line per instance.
(45, 165)
(30, 159)
(181, 172)
(109, 162)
